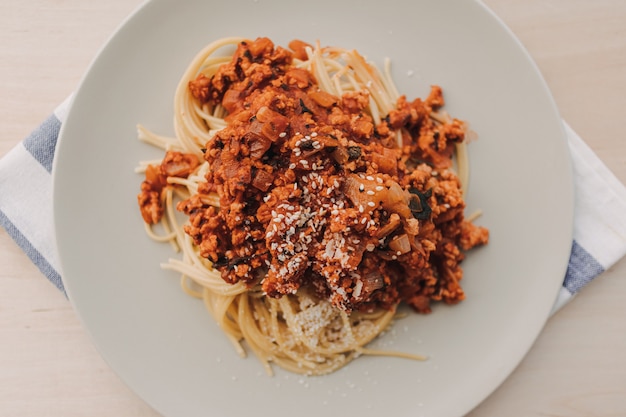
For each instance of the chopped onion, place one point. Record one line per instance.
(386, 164)
(258, 146)
(387, 161)
(400, 244)
(394, 222)
(231, 100)
(323, 98)
(272, 123)
(262, 180)
(340, 154)
(354, 189)
(397, 201)
(372, 282)
(370, 194)
(154, 177)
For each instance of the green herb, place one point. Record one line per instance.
(418, 204)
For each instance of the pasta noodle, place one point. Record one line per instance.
(300, 330)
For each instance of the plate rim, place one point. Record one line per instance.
(146, 4)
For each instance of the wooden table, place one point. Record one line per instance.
(48, 366)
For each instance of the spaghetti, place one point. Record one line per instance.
(317, 199)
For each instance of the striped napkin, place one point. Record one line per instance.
(26, 207)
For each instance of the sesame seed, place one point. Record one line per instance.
(379, 188)
(370, 192)
(371, 203)
(361, 187)
(370, 178)
(282, 134)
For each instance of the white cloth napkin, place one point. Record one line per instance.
(26, 207)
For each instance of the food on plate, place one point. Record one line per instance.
(309, 199)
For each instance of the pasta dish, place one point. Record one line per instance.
(308, 199)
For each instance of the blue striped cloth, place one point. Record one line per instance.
(26, 207)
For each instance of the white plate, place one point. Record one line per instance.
(166, 347)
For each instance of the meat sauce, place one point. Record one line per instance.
(314, 194)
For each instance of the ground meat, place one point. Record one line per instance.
(312, 191)
(150, 199)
